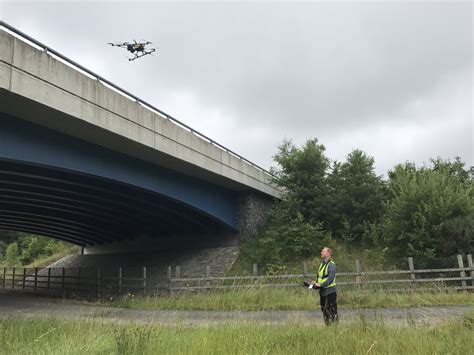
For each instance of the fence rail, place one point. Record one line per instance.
(96, 282)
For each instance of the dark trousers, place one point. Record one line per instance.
(329, 308)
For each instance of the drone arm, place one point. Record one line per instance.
(122, 45)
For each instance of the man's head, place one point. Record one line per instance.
(326, 253)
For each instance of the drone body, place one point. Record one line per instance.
(138, 49)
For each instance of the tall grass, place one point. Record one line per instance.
(261, 299)
(48, 336)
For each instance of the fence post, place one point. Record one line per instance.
(4, 275)
(208, 275)
(411, 265)
(49, 278)
(120, 281)
(305, 268)
(98, 281)
(79, 272)
(24, 278)
(63, 279)
(13, 278)
(471, 271)
(144, 280)
(36, 279)
(255, 273)
(178, 272)
(462, 273)
(169, 278)
(357, 270)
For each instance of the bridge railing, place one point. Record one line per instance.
(124, 92)
(107, 283)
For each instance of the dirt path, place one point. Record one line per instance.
(27, 306)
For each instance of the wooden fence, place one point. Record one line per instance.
(458, 278)
(94, 283)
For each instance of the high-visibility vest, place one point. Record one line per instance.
(323, 274)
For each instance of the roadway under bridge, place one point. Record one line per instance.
(84, 161)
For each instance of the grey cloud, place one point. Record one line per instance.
(294, 70)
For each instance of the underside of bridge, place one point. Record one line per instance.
(59, 186)
(88, 210)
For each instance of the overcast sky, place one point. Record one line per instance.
(394, 79)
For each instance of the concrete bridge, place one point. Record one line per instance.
(84, 161)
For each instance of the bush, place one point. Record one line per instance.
(431, 212)
(12, 257)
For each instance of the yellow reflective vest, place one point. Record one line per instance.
(323, 274)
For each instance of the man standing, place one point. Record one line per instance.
(326, 283)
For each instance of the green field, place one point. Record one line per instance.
(50, 336)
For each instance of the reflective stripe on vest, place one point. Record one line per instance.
(323, 274)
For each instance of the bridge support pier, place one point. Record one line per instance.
(252, 212)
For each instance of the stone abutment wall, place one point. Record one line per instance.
(252, 213)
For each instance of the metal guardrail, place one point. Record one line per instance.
(145, 104)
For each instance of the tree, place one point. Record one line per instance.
(286, 237)
(357, 196)
(33, 248)
(12, 257)
(431, 210)
(8, 237)
(302, 173)
(296, 225)
(30, 247)
(454, 168)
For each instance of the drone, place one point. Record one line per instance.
(138, 49)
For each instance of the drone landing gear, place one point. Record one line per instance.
(142, 54)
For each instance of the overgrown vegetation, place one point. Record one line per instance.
(48, 336)
(417, 211)
(295, 298)
(21, 249)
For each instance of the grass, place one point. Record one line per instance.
(44, 261)
(49, 336)
(48, 260)
(260, 299)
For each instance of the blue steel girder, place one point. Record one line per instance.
(70, 189)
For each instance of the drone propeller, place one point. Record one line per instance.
(118, 44)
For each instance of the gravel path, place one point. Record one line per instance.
(27, 306)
